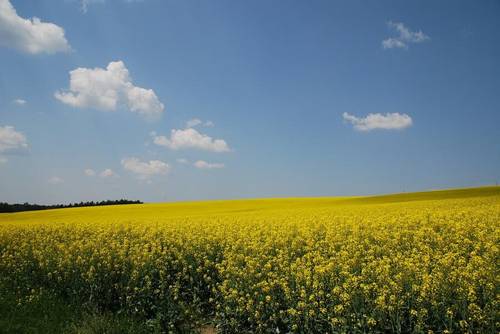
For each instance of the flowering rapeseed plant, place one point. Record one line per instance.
(298, 265)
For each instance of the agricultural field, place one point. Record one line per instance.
(408, 263)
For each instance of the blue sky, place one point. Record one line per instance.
(283, 98)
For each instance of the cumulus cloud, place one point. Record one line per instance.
(108, 89)
(207, 165)
(190, 138)
(55, 180)
(19, 102)
(196, 121)
(89, 172)
(145, 170)
(406, 36)
(11, 140)
(107, 173)
(182, 161)
(29, 35)
(389, 121)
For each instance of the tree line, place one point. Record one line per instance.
(6, 207)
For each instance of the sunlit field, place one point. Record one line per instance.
(408, 263)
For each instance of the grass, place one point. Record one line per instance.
(52, 314)
(48, 315)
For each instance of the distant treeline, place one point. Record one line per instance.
(6, 207)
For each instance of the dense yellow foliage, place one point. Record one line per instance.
(424, 262)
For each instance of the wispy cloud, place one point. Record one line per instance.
(405, 37)
(55, 180)
(389, 121)
(89, 172)
(193, 122)
(207, 165)
(11, 140)
(19, 102)
(84, 4)
(107, 173)
(196, 121)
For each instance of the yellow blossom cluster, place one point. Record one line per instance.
(331, 265)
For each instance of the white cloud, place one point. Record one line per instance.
(55, 180)
(191, 138)
(389, 121)
(11, 140)
(391, 43)
(29, 35)
(19, 102)
(85, 3)
(89, 172)
(196, 121)
(108, 89)
(193, 122)
(206, 165)
(406, 36)
(107, 173)
(145, 170)
(182, 161)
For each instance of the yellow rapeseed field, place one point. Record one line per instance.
(409, 263)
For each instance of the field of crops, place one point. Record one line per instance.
(410, 263)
